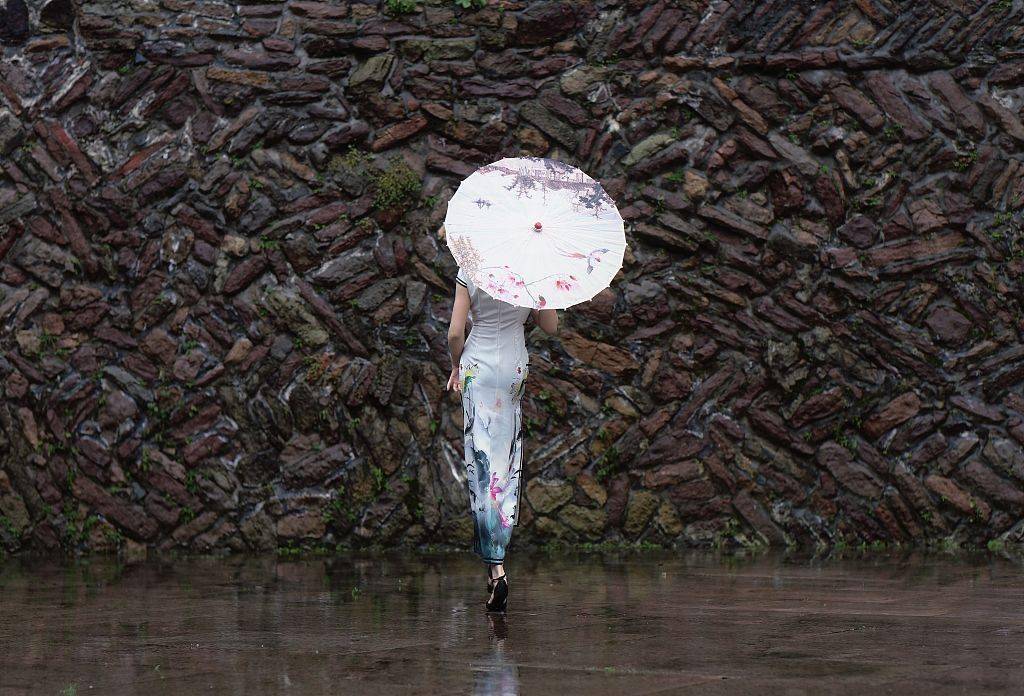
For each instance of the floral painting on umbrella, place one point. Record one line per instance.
(535, 232)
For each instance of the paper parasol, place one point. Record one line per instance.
(535, 232)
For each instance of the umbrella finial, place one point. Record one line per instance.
(537, 226)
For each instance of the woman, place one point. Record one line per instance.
(489, 370)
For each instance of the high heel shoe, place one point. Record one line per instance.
(498, 589)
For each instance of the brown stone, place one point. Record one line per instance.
(311, 468)
(818, 406)
(890, 97)
(128, 516)
(667, 520)
(251, 78)
(308, 524)
(965, 111)
(863, 108)
(1007, 119)
(242, 275)
(601, 355)
(994, 486)
(860, 231)
(639, 510)
(396, 133)
(12, 508)
(948, 324)
(158, 344)
(672, 473)
(587, 522)
(16, 385)
(732, 221)
(544, 22)
(590, 486)
(319, 10)
(756, 517)
(694, 185)
(850, 474)
(1007, 73)
(950, 493)
(549, 124)
(239, 351)
(898, 410)
(261, 60)
(927, 215)
(547, 496)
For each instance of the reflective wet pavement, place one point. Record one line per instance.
(578, 623)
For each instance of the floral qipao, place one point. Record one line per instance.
(493, 370)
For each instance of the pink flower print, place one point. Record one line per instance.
(566, 285)
(506, 521)
(495, 489)
(539, 304)
(503, 284)
(496, 288)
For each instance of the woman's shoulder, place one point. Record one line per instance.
(463, 279)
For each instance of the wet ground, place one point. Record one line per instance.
(577, 624)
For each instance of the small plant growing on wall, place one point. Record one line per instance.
(396, 7)
(471, 4)
(396, 184)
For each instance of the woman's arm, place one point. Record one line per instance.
(547, 319)
(457, 333)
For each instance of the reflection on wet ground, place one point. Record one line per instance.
(577, 624)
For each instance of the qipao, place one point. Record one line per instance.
(493, 371)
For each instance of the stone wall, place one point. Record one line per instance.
(224, 303)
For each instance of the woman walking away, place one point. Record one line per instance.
(490, 370)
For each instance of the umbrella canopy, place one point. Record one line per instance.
(535, 232)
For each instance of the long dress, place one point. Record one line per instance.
(493, 370)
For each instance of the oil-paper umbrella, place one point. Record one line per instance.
(535, 232)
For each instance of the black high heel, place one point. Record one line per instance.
(497, 586)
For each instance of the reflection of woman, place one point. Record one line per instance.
(490, 370)
(496, 675)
